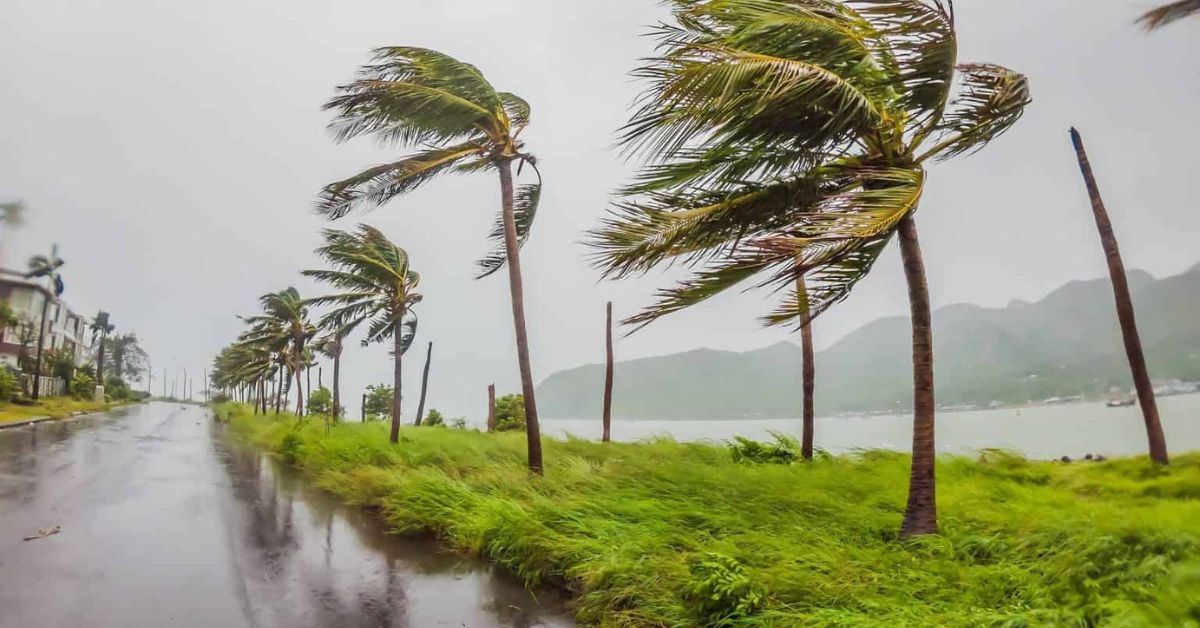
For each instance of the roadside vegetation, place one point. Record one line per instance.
(667, 533)
(53, 407)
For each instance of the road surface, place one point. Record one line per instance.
(164, 522)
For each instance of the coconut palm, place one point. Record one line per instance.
(456, 122)
(790, 140)
(1168, 13)
(379, 289)
(284, 330)
(101, 327)
(44, 267)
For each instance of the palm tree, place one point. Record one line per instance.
(41, 266)
(330, 345)
(101, 328)
(284, 329)
(126, 352)
(1175, 11)
(379, 289)
(1124, 303)
(457, 123)
(790, 139)
(424, 384)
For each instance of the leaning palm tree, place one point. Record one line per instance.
(790, 140)
(1124, 305)
(379, 289)
(101, 328)
(456, 122)
(284, 329)
(1168, 13)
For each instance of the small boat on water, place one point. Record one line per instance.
(1121, 403)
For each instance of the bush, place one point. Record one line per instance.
(434, 419)
(320, 401)
(9, 385)
(220, 398)
(379, 402)
(721, 591)
(83, 385)
(785, 450)
(510, 413)
(117, 390)
(460, 423)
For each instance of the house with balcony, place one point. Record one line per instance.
(64, 328)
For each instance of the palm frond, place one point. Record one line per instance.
(378, 185)
(1166, 14)
(992, 99)
(525, 206)
(517, 110)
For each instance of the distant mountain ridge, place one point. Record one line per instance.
(1068, 343)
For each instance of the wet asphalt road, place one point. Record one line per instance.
(166, 523)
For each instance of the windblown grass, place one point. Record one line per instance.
(663, 533)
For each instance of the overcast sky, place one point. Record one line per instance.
(173, 151)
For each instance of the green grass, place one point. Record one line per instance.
(662, 533)
(53, 407)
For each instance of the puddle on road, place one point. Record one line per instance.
(305, 559)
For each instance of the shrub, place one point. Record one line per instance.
(379, 402)
(460, 423)
(320, 401)
(510, 413)
(220, 398)
(117, 389)
(721, 590)
(434, 419)
(785, 450)
(9, 385)
(83, 385)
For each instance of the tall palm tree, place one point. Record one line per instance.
(807, 372)
(456, 122)
(1124, 303)
(379, 289)
(790, 139)
(1168, 13)
(284, 329)
(606, 417)
(44, 267)
(101, 327)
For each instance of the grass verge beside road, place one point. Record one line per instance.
(53, 407)
(662, 533)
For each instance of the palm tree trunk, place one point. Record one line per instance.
(398, 349)
(1125, 313)
(608, 374)
(37, 365)
(532, 432)
(424, 383)
(299, 383)
(491, 421)
(807, 372)
(920, 515)
(308, 381)
(337, 366)
(279, 390)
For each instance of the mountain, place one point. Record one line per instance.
(1066, 344)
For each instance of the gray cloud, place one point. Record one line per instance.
(173, 150)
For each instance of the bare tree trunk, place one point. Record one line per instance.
(491, 424)
(532, 432)
(398, 349)
(807, 372)
(279, 390)
(424, 384)
(308, 381)
(608, 374)
(337, 367)
(37, 366)
(920, 515)
(1125, 312)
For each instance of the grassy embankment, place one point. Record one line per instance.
(53, 407)
(673, 534)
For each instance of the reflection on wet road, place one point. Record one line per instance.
(165, 523)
